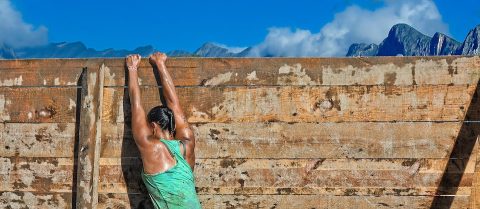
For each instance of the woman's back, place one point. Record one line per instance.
(174, 188)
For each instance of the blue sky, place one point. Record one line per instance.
(182, 24)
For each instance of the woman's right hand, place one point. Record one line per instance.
(158, 58)
(132, 61)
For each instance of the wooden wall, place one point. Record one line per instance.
(391, 132)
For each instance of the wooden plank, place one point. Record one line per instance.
(328, 191)
(306, 71)
(39, 105)
(304, 140)
(196, 72)
(43, 72)
(49, 63)
(316, 201)
(304, 104)
(36, 174)
(48, 76)
(289, 174)
(285, 201)
(475, 200)
(37, 139)
(89, 137)
(40, 200)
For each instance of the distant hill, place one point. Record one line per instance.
(75, 50)
(405, 40)
(402, 39)
(212, 50)
(79, 50)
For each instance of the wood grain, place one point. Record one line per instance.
(285, 201)
(305, 71)
(304, 104)
(38, 105)
(475, 200)
(304, 140)
(27, 174)
(197, 72)
(296, 173)
(40, 77)
(37, 139)
(35, 200)
(89, 137)
(271, 132)
(50, 63)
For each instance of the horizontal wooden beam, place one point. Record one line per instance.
(38, 105)
(304, 104)
(37, 139)
(287, 201)
(40, 77)
(122, 175)
(48, 63)
(305, 140)
(32, 174)
(35, 200)
(306, 71)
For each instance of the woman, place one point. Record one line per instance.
(165, 141)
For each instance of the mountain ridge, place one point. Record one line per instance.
(405, 40)
(402, 39)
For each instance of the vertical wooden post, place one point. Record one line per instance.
(89, 137)
(475, 191)
(475, 195)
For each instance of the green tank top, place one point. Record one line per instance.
(174, 188)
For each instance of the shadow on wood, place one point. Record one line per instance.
(129, 172)
(77, 139)
(463, 148)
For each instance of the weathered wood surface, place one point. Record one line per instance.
(41, 77)
(255, 71)
(115, 200)
(254, 176)
(48, 63)
(37, 200)
(89, 137)
(37, 139)
(32, 174)
(44, 72)
(306, 71)
(305, 104)
(475, 200)
(38, 105)
(282, 132)
(304, 140)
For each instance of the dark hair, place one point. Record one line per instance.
(163, 116)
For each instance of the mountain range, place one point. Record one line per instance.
(402, 40)
(79, 50)
(405, 40)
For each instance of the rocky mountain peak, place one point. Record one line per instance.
(471, 45)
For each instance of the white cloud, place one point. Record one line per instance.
(14, 32)
(353, 25)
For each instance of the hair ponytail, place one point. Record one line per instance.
(164, 117)
(172, 123)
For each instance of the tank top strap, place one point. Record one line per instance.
(173, 146)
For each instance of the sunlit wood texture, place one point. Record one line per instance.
(271, 132)
(302, 133)
(90, 127)
(38, 114)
